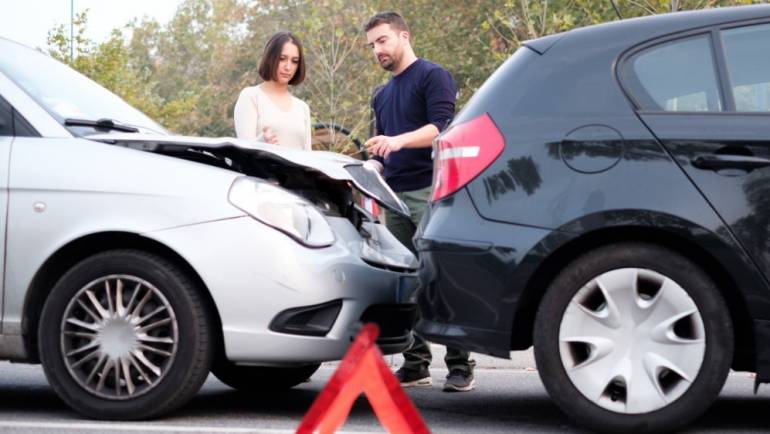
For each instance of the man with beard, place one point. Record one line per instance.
(416, 104)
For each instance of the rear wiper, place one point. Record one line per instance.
(101, 124)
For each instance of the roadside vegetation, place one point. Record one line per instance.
(187, 74)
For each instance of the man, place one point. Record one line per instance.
(416, 104)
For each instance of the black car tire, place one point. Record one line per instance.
(257, 379)
(716, 323)
(183, 372)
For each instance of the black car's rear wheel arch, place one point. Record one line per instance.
(633, 337)
(522, 328)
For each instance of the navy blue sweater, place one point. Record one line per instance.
(424, 93)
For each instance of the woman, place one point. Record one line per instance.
(269, 112)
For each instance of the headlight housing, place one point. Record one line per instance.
(282, 210)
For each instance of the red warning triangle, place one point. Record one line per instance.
(363, 370)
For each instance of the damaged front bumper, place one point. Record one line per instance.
(255, 274)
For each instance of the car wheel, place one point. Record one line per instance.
(125, 335)
(251, 379)
(633, 338)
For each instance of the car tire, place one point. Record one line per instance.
(610, 349)
(141, 326)
(257, 379)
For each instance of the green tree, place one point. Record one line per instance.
(112, 65)
(188, 74)
(341, 75)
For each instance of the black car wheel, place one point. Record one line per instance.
(125, 335)
(633, 338)
(257, 379)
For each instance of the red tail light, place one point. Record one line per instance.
(463, 152)
(370, 205)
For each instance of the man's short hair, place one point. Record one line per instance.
(268, 67)
(396, 21)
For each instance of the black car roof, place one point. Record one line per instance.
(649, 27)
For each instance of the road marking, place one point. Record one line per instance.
(151, 427)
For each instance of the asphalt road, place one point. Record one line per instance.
(506, 401)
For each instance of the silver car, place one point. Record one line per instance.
(136, 261)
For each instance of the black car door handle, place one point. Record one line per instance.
(719, 162)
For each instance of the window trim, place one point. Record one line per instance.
(7, 123)
(723, 76)
(18, 119)
(718, 57)
(629, 81)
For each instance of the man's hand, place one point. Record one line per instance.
(269, 136)
(383, 145)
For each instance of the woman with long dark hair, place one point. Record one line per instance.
(269, 112)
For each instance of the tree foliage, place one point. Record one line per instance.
(187, 74)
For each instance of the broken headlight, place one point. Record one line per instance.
(282, 210)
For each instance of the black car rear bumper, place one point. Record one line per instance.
(472, 276)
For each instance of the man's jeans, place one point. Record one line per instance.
(418, 356)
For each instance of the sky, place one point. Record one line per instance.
(28, 21)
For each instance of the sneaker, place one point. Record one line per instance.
(412, 377)
(459, 381)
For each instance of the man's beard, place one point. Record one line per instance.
(390, 63)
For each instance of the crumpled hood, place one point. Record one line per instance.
(333, 165)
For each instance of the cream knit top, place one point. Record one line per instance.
(255, 110)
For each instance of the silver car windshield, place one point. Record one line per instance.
(67, 94)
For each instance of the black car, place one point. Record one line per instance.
(605, 197)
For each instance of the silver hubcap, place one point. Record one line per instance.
(119, 336)
(632, 341)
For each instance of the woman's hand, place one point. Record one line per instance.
(269, 136)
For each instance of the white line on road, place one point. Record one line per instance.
(151, 427)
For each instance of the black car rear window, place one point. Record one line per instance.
(678, 76)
